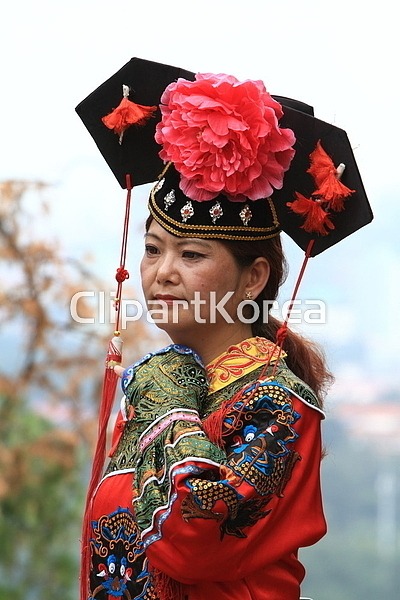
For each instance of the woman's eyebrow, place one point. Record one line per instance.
(197, 241)
(153, 235)
(181, 242)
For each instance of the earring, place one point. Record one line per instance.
(249, 295)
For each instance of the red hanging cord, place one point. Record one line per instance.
(122, 273)
(283, 329)
(114, 356)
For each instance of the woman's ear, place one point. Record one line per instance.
(257, 277)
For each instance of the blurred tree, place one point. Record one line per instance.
(347, 563)
(40, 500)
(50, 388)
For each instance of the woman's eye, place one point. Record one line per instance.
(150, 250)
(191, 254)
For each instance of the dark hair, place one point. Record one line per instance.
(304, 357)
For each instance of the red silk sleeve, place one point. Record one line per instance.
(224, 519)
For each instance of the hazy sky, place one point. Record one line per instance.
(341, 57)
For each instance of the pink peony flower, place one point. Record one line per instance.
(223, 136)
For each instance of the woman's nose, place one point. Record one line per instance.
(166, 269)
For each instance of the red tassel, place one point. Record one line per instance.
(114, 355)
(126, 114)
(316, 218)
(327, 179)
(321, 165)
(213, 425)
(333, 192)
(336, 203)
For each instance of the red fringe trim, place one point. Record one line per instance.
(165, 587)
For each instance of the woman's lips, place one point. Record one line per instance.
(167, 298)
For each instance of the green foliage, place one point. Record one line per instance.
(40, 500)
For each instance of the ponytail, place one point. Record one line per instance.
(304, 357)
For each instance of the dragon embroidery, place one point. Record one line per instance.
(118, 569)
(257, 432)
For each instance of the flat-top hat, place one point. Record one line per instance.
(228, 160)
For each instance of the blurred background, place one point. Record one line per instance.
(61, 217)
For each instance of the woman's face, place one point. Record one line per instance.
(192, 286)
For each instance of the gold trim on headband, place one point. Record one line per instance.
(212, 227)
(215, 234)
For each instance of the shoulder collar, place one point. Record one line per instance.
(241, 359)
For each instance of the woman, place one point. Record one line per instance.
(214, 479)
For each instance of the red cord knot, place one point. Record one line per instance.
(281, 335)
(121, 274)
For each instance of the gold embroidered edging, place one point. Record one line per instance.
(241, 359)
